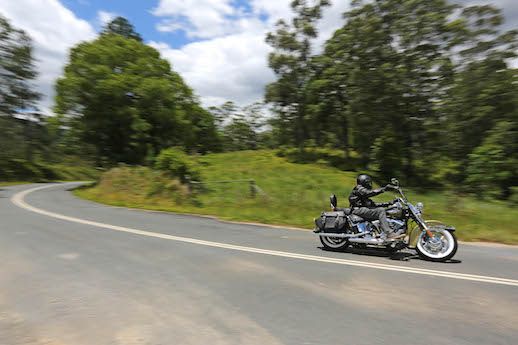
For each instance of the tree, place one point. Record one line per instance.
(482, 97)
(392, 59)
(121, 26)
(239, 135)
(223, 113)
(327, 102)
(16, 70)
(203, 135)
(484, 94)
(239, 127)
(493, 166)
(20, 136)
(386, 77)
(290, 62)
(127, 102)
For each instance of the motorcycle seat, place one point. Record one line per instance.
(347, 211)
(356, 219)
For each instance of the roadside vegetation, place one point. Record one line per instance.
(16, 172)
(297, 193)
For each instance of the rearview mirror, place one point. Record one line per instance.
(395, 182)
(333, 200)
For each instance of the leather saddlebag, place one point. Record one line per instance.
(331, 221)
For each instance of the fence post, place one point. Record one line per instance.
(252, 189)
(189, 184)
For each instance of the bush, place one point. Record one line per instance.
(140, 184)
(493, 166)
(178, 164)
(20, 169)
(283, 151)
(514, 196)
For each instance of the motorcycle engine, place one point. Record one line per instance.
(395, 212)
(396, 224)
(364, 227)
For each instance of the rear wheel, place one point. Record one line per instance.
(334, 243)
(441, 247)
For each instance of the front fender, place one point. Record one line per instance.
(416, 230)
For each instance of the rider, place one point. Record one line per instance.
(363, 206)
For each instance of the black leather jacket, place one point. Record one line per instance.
(360, 197)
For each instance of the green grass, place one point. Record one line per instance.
(297, 194)
(12, 183)
(15, 170)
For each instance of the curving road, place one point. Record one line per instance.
(77, 272)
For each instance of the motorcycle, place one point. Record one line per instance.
(433, 240)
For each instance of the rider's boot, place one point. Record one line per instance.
(394, 236)
(391, 236)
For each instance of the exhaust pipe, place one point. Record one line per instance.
(353, 238)
(325, 234)
(368, 240)
(374, 240)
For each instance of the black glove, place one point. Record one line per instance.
(389, 187)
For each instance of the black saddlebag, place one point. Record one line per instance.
(331, 221)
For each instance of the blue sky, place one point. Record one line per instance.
(217, 46)
(137, 12)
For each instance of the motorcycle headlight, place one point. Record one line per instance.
(420, 207)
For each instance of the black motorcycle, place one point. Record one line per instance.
(433, 240)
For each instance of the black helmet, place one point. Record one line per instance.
(364, 180)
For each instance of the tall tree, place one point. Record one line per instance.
(290, 62)
(17, 70)
(239, 126)
(127, 101)
(392, 67)
(396, 57)
(121, 26)
(327, 102)
(492, 168)
(483, 93)
(19, 138)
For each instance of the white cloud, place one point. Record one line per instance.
(227, 68)
(104, 17)
(198, 18)
(232, 65)
(54, 30)
(273, 9)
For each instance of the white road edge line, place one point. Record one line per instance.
(18, 199)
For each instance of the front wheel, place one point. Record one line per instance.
(334, 243)
(441, 247)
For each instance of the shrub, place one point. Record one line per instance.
(136, 184)
(178, 164)
(514, 196)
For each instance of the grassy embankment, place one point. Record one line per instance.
(13, 183)
(23, 172)
(297, 194)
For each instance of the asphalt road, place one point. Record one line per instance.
(77, 272)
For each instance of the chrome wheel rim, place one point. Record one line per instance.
(334, 242)
(438, 247)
